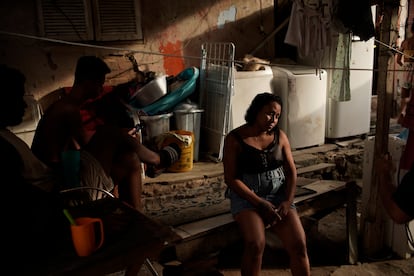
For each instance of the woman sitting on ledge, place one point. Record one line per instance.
(261, 175)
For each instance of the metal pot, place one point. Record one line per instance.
(156, 124)
(151, 92)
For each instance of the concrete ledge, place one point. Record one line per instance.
(317, 149)
(200, 170)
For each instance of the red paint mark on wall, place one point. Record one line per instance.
(172, 64)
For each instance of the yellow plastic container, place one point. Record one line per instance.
(185, 140)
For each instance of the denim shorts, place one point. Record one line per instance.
(238, 204)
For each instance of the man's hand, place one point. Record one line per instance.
(136, 131)
(169, 155)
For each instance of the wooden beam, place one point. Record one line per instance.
(351, 222)
(374, 224)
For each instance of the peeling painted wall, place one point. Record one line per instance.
(173, 34)
(226, 16)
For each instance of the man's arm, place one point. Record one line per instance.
(399, 54)
(399, 59)
(387, 189)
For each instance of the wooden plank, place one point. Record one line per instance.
(202, 236)
(196, 228)
(305, 158)
(314, 168)
(302, 181)
(318, 149)
(203, 226)
(347, 143)
(323, 204)
(351, 223)
(320, 187)
(373, 237)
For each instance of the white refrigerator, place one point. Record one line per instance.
(247, 84)
(352, 118)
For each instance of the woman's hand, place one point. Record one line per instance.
(268, 212)
(284, 208)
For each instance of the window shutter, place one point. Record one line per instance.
(66, 19)
(117, 20)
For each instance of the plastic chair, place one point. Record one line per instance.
(80, 195)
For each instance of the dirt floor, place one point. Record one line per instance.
(326, 247)
(327, 253)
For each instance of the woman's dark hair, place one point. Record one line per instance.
(259, 101)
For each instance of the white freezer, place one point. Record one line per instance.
(247, 84)
(303, 92)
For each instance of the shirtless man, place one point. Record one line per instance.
(113, 155)
(404, 59)
(406, 117)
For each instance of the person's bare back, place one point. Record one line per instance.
(58, 128)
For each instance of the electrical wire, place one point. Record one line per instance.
(78, 44)
(94, 46)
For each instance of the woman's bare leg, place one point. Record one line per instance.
(253, 232)
(291, 233)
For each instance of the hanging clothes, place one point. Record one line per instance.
(309, 27)
(356, 17)
(340, 89)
